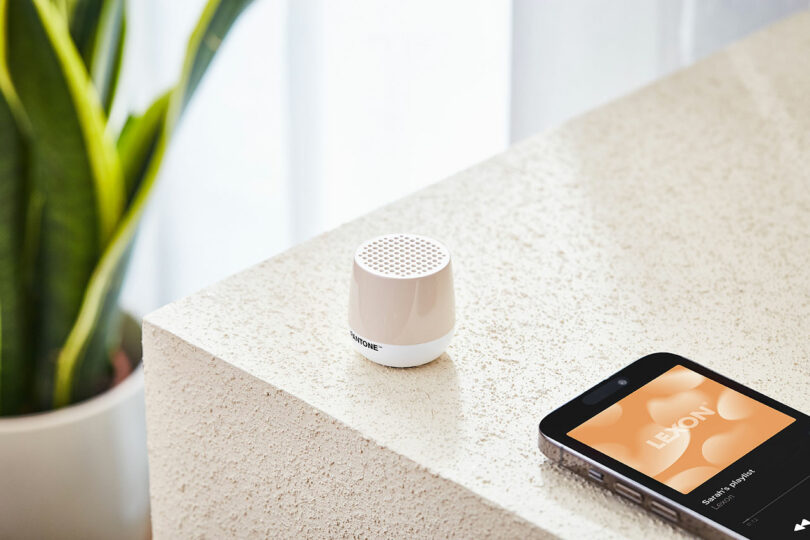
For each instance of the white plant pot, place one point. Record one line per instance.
(78, 472)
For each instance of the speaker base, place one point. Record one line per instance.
(400, 356)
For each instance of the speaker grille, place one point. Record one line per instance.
(402, 255)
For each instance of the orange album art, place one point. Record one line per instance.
(681, 428)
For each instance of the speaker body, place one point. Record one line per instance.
(401, 300)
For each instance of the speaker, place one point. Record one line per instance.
(401, 300)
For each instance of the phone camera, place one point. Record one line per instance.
(622, 382)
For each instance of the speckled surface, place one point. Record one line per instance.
(677, 218)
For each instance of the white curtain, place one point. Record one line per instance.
(569, 56)
(317, 111)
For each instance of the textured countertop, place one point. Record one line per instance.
(675, 219)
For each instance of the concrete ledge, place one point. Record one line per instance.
(674, 219)
(249, 460)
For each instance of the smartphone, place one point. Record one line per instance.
(691, 446)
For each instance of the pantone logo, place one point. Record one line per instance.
(364, 343)
(663, 438)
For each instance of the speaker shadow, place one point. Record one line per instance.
(416, 410)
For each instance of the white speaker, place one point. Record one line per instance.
(401, 300)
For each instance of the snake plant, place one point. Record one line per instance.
(71, 191)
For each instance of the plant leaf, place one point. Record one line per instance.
(97, 28)
(63, 7)
(98, 322)
(114, 68)
(14, 360)
(136, 145)
(215, 22)
(137, 142)
(84, 16)
(104, 287)
(73, 169)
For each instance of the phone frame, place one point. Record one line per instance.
(555, 442)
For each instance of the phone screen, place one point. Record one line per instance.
(711, 448)
(681, 428)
